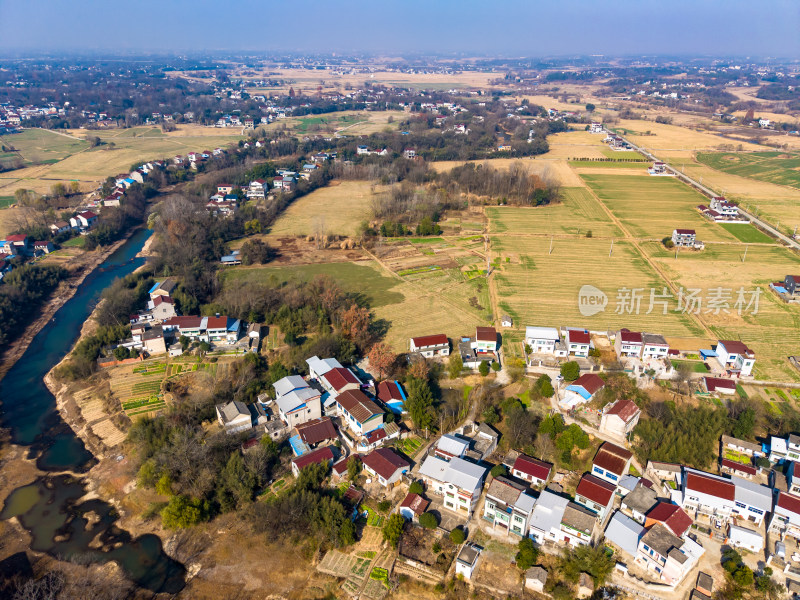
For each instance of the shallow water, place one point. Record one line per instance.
(48, 507)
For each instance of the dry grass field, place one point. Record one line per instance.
(337, 209)
(552, 170)
(89, 166)
(674, 141)
(342, 123)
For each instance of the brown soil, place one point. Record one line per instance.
(298, 251)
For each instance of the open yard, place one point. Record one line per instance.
(337, 209)
(41, 146)
(774, 167)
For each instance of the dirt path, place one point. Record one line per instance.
(635, 243)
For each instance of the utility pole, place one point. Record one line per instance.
(551, 245)
(745, 253)
(611, 249)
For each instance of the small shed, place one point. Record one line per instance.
(507, 321)
(741, 537)
(705, 583)
(535, 578)
(467, 559)
(254, 331)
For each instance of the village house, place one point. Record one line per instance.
(163, 308)
(392, 396)
(685, 238)
(732, 467)
(430, 345)
(628, 343)
(507, 506)
(742, 537)
(18, 244)
(577, 525)
(718, 385)
(83, 221)
(639, 502)
(659, 168)
(359, 413)
(297, 402)
(581, 390)
(59, 227)
(624, 533)
(412, 506)
(706, 494)
(458, 481)
(316, 432)
(485, 340)
(506, 321)
(535, 472)
(785, 520)
(668, 556)
(556, 519)
(782, 449)
(163, 288)
(578, 342)
(386, 465)
(735, 357)
(611, 462)
(535, 579)
(619, 418)
(256, 189)
(153, 341)
(595, 494)
(654, 346)
(741, 446)
(671, 516)
(467, 560)
(317, 367)
(224, 189)
(793, 478)
(545, 340)
(42, 247)
(234, 417)
(339, 380)
(322, 455)
(450, 446)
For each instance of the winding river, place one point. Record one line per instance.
(50, 507)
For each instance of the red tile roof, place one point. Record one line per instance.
(163, 299)
(18, 237)
(389, 391)
(317, 430)
(217, 323)
(532, 467)
(630, 337)
(737, 466)
(710, 486)
(187, 322)
(712, 383)
(595, 489)
(416, 503)
(736, 347)
(438, 339)
(685, 231)
(376, 435)
(357, 404)
(624, 409)
(590, 382)
(87, 215)
(672, 516)
(790, 503)
(486, 334)
(612, 458)
(340, 377)
(384, 462)
(575, 336)
(314, 457)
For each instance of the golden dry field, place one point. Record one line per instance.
(336, 209)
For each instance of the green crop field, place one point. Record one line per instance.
(577, 213)
(775, 167)
(624, 155)
(747, 233)
(610, 164)
(40, 146)
(651, 207)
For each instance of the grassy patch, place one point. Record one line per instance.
(697, 367)
(418, 270)
(6, 201)
(773, 167)
(78, 241)
(747, 233)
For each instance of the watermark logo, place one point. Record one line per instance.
(591, 300)
(693, 301)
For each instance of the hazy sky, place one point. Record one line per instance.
(506, 27)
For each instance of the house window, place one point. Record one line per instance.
(741, 505)
(611, 476)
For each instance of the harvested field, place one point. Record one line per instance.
(674, 138)
(337, 209)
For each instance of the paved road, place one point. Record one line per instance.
(711, 193)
